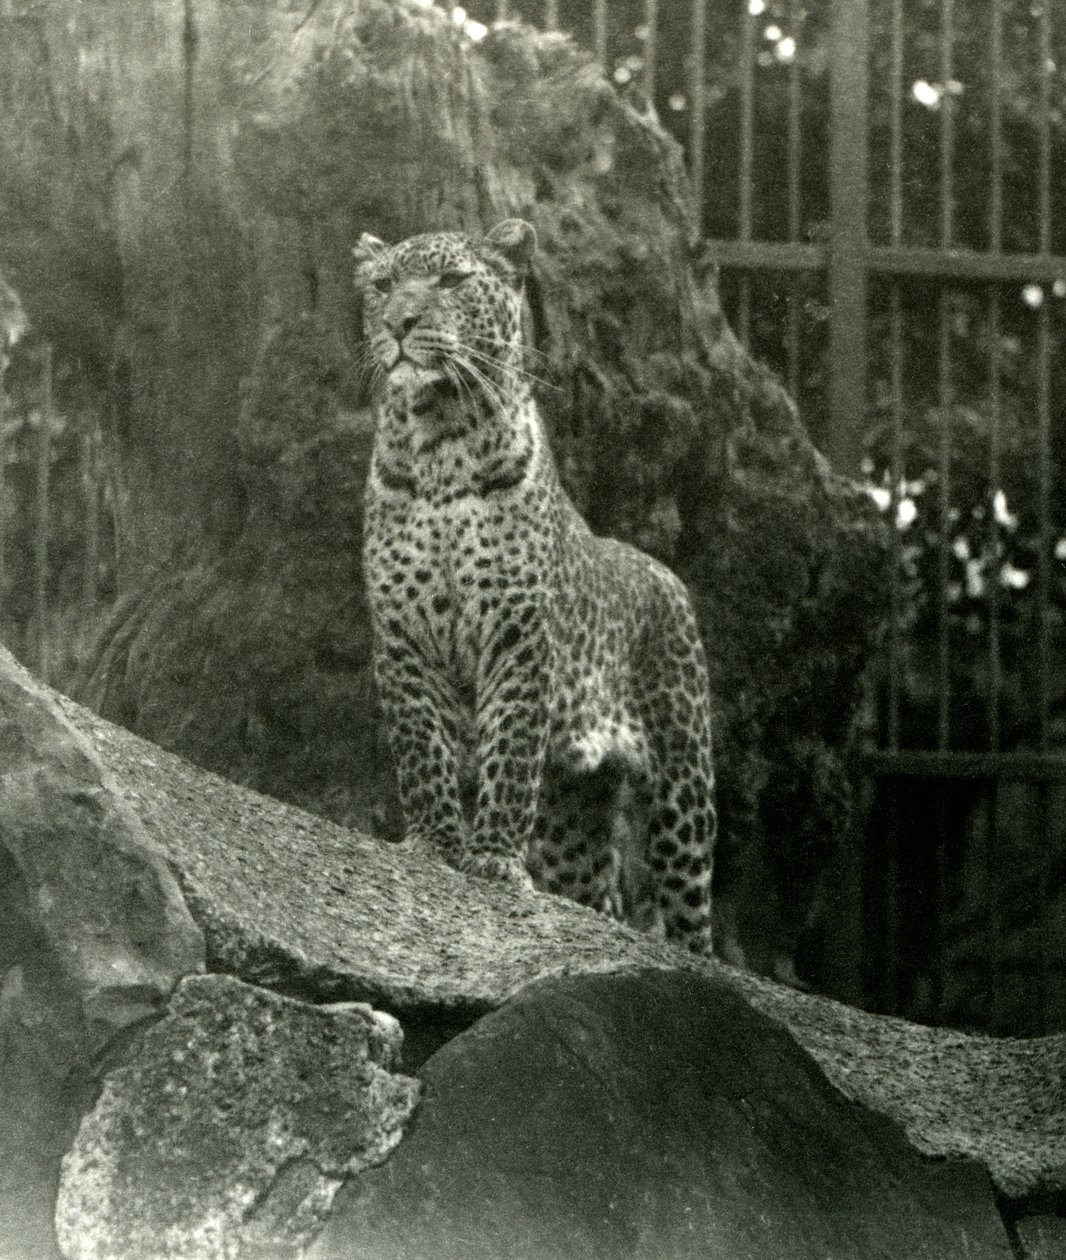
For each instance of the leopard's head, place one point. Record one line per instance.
(443, 311)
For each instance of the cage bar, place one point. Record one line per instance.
(895, 629)
(947, 128)
(1044, 476)
(795, 197)
(697, 118)
(992, 891)
(953, 264)
(599, 37)
(1043, 400)
(995, 240)
(943, 609)
(850, 245)
(651, 47)
(1045, 894)
(896, 372)
(895, 195)
(1044, 108)
(747, 125)
(551, 14)
(995, 439)
(745, 189)
(995, 129)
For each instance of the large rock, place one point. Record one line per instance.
(94, 934)
(652, 1115)
(106, 839)
(234, 1124)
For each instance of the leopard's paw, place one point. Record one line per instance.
(498, 866)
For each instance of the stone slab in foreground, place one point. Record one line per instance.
(651, 1115)
(290, 900)
(238, 1117)
(123, 868)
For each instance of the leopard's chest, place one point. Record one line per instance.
(441, 572)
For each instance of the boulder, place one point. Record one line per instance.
(652, 1114)
(232, 1127)
(94, 934)
(126, 869)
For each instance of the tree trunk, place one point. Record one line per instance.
(180, 186)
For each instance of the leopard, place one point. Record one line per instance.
(544, 690)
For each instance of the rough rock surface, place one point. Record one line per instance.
(299, 905)
(394, 926)
(649, 1115)
(94, 934)
(231, 1128)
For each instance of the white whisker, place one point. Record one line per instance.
(516, 373)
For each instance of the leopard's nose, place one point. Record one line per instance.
(400, 322)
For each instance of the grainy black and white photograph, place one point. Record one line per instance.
(532, 630)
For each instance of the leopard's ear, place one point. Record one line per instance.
(368, 249)
(516, 240)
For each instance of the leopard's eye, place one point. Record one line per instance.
(451, 279)
(383, 284)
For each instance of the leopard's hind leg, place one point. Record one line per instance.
(574, 853)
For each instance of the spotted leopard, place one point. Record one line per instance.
(566, 667)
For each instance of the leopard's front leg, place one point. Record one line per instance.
(421, 709)
(512, 715)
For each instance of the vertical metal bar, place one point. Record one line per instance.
(995, 129)
(945, 400)
(895, 211)
(795, 199)
(1043, 401)
(651, 47)
(697, 119)
(747, 124)
(747, 161)
(947, 123)
(40, 542)
(1046, 64)
(895, 631)
(847, 253)
(992, 892)
(502, 11)
(995, 664)
(893, 895)
(1043, 407)
(943, 669)
(599, 39)
(896, 371)
(551, 14)
(944, 408)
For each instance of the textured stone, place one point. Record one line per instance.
(295, 903)
(651, 1115)
(231, 1127)
(393, 925)
(94, 934)
(1042, 1237)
